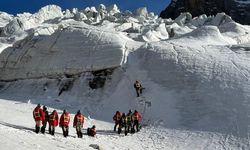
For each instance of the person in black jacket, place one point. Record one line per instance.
(138, 88)
(46, 119)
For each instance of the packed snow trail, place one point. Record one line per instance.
(16, 126)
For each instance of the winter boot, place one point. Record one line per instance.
(43, 130)
(37, 129)
(126, 132)
(50, 130)
(132, 130)
(80, 134)
(67, 133)
(119, 130)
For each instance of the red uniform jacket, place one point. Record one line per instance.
(92, 131)
(78, 120)
(64, 119)
(38, 114)
(136, 116)
(117, 117)
(53, 119)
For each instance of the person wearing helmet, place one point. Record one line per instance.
(91, 131)
(138, 88)
(46, 119)
(78, 123)
(123, 124)
(64, 123)
(38, 116)
(117, 119)
(136, 117)
(53, 122)
(129, 120)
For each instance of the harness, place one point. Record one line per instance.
(65, 118)
(52, 117)
(118, 117)
(37, 114)
(79, 120)
(136, 117)
(129, 118)
(137, 85)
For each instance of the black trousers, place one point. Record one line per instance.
(52, 130)
(138, 91)
(136, 124)
(44, 127)
(65, 130)
(125, 126)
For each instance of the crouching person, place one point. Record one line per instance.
(53, 122)
(91, 131)
(64, 123)
(78, 123)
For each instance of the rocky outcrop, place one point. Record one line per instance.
(239, 10)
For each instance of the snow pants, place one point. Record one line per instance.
(138, 91)
(38, 126)
(136, 124)
(51, 130)
(44, 126)
(65, 130)
(79, 131)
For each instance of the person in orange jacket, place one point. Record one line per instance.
(38, 116)
(136, 120)
(78, 123)
(64, 123)
(91, 131)
(53, 122)
(117, 118)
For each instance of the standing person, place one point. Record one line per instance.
(38, 116)
(117, 119)
(129, 120)
(136, 120)
(138, 88)
(64, 123)
(78, 123)
(53, 122)
(46, 119)
(123, 124)
(91, 131)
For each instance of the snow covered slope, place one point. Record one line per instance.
(195, 72)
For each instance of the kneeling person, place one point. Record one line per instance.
(91, 131)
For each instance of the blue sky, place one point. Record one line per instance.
(19, 6)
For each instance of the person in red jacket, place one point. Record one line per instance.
(38, 116)
(136, 120)
(53, 122)
(78, 123)
(91, 131)
(64, 123)
(117, 118)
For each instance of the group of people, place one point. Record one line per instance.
(130, 121)
(42, 117)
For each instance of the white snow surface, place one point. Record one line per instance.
(195, 72)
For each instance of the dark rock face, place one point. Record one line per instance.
(239, 10)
